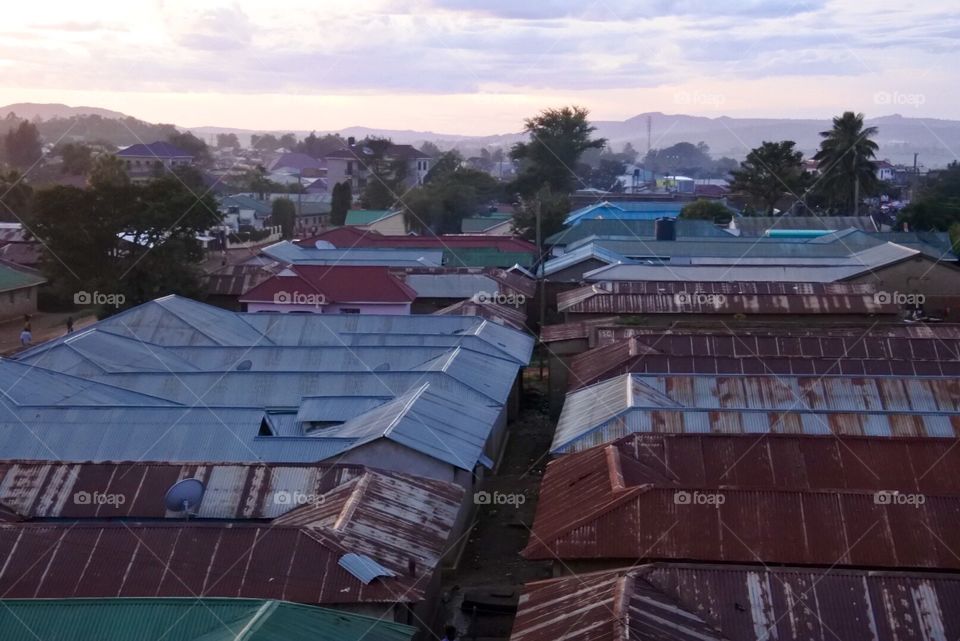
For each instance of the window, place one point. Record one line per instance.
(349, 167)
(349, 310)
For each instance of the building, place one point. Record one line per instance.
(335, 289)
(18, 289)
(427, 395)
(352, 164)
(626, 210)
(739, 603)
(144, 162)
(323, 254)
(383, 221)
(822, 501)
(263, 531)
(188, 619)
(494, 224)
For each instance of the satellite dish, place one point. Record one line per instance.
(184, 496)
(324, 244)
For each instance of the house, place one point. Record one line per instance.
(323, 254)
(144, 162)
(352, 164)
(256, 531)
(427, 395)
(188, 619)
(244, 209)
(700, 495)
(383, 221)
(738, 603)
(885, 170)
(18, 289)
(495, 224)
(336, 289)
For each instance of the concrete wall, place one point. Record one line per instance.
(17, 302)
(938, 282)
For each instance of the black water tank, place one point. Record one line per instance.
(665, 229)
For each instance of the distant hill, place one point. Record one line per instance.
(46, 111)
(900, 137)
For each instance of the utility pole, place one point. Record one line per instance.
(540, 275)
(856, 196)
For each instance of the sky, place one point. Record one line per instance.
(478, 67)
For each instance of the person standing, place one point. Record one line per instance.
(69, 324)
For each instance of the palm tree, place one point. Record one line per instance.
(846, 162)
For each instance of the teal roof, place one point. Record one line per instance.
(16, 277)
(486, 257)
(477, 224)
(188, 619)
(247, 202)
(365, 216)
(602, 228)
(645, 210)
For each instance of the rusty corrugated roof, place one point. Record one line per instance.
(707, 602)
(628, 297)
(318, 512)
(608, 503)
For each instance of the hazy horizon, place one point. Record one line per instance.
(472, 68)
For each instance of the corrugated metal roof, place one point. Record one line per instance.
(607, 504)
(625, 229)
(451, 285)
(576, 256)
(626, 404)
(287, 252)
(723, 298)
(188, 619)
(758, 225)
(734, 603)
(508, 315)
(401, 522)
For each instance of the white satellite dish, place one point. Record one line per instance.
(324, 244)
(184, 496)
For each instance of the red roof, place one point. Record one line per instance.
(793, 500)
(336, 284)
(350, 237)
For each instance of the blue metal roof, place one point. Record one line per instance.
(287, 252)
(626, 211)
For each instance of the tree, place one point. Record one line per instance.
(386, 176)
(554, 208)
(937, 205)
(847, 170)
(341, 199)
(77, 158)
(430, 149)
(703, 209)
(769, 172)
(192, 145)
(682, 158)
(256, 180)
(284, 214)
(606, 175)
(21, 145)
(108, 170)
(16, 197)
(629, 154)
(137, 241)
(288, 141)
(558, 137)
(317, 147)
(265, 142)
(450, 193)
(228, 141)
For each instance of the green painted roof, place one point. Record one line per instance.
(18, 277)
(477, 224)
(485, 257)
(365, 216)
(187, 619)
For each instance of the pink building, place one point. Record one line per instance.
(326, 289)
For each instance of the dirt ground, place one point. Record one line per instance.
(491, 564)
(44, 326)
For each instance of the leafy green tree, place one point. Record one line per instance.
(341, 199)
(607, 174)
(228, 141)
(386, 176)
(703, 209)
(769, 173)
(430, 149)
(554, 207)
(139, 241)
(108, 170)
(284, 214)
(288, 141)
(450, 193)
(16, 197)
(77, 158)
(318, 147)
(683, 158)
(264, 142)
(937, 205)
(558, 137)
(847, 170)
(21, 145)
(192, 145)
